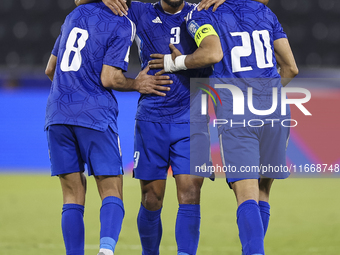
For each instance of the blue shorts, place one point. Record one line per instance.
(254, 152)
(160, 145)
(70, 147)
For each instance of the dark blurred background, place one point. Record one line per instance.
(28, 29)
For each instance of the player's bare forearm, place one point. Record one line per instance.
(79, 2)
(113, 78)
(265, 2)
(50, 68)
(208, 53)
(286, 61)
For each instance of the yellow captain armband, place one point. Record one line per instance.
(203, 32)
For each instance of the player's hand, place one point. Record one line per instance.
(118, 7)
(158, 61)
(174, 51)
(150, 84)
(205, 4)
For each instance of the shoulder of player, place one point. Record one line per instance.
(195, 14)
(262, 7)
(131, 25)
(140, 5)
(191, 5)
(269, 14)
(123, 27)
(92, 9)
(138, 9)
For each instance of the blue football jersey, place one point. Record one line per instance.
(247, 30)
(155, 30)
(90, 37)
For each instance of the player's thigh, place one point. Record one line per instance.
(100, 150)
(273, 145)
(110, 186)
(152, 147)
(64, 150)
(240, 154)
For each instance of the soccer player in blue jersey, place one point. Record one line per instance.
(162, 131)
(88, 60)
(244, 41)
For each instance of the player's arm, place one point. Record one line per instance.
(79, 2)
(52, 62)
(113, 78)
(286, 61)
(118, 7)
(50, 68)
(209, 52)
(265, 2)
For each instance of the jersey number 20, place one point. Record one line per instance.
(74, 65)
(262, 60)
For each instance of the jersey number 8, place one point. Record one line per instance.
(74, 65)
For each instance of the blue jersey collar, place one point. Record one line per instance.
(159, 7)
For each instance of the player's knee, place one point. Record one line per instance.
(73, 188)
(264, 189)
(110, 186)
(189, 195)
(265, 185)
(74, 195)
(152, 201)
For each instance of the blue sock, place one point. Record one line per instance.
(188, 228)
(150, 230)
(265, 214)
(111, 218)
(250, 228)
(72, 225)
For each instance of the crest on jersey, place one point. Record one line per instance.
(193, 27)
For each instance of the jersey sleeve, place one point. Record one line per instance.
(135, 11)
(278, 32)
(56, 45)
(118, 51)
(200, 25)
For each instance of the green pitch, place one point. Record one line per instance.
(304, 218)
